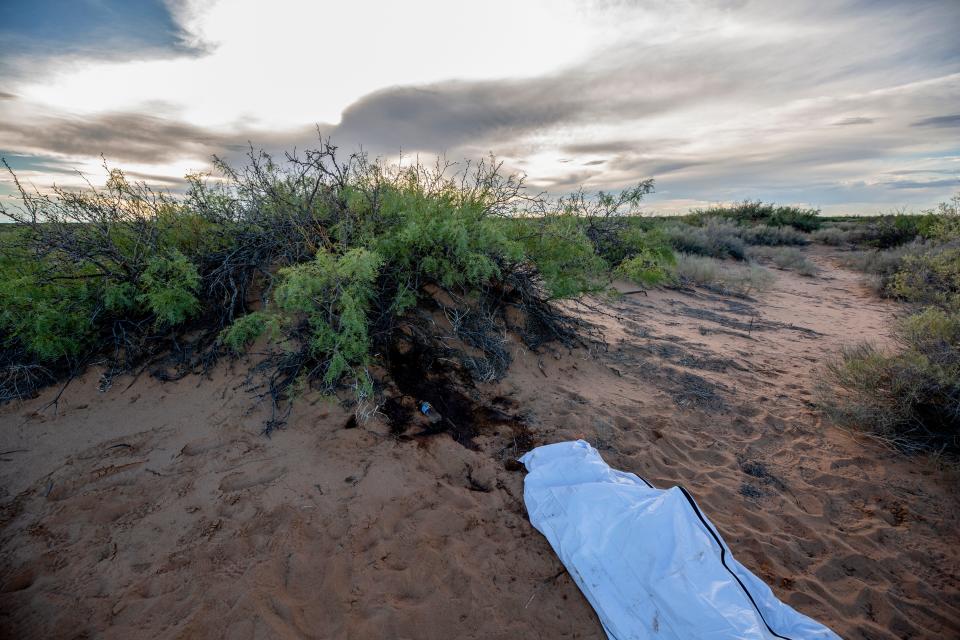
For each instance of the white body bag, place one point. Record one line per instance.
(648, 560)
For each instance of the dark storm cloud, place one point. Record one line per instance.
(911, 172)
(614, 146)
(7, 96)
(853, 121)
(647, 166)
(924, 184)
(131, 137)
(442, 116)
(952, 120)
(445, 115)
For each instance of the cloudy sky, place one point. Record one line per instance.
(848, 105)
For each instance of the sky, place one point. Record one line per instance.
(852, 106)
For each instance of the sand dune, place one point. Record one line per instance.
(157, 509)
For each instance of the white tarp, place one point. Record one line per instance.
(648, 560)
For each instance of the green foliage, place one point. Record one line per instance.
(52, 321)
(563, 253)
(766, 235)
(766, 213)
(435, 236)
(120, 297)
(245, 330)
(910, 398)
(340, 252)
(334, 293)
(930, 278)
(930, 331)
(651, 261)
(169, 285)
(944, 223)
(883, 232)
(893, 231)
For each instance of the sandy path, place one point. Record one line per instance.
(158, 511)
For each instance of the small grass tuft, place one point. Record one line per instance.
(724, 276)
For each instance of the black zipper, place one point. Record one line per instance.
(723, 556)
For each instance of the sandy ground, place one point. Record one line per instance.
(157, 510)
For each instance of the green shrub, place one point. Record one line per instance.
(883, 232)
(835, 236)
(334, 294)
(349, 258)
(884, 264)
(910, 398)
(52, 321)
(169, 286)
(930, 278)
(943, 224)
(245, 330)
(563, 253)
(760, 212)
(650, 260)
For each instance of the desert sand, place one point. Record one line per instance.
(158, 510)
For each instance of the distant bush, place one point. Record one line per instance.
(716, 239)
(764, 213)
(929, 278)
(835, 236)
(884, 264)
(788, 258)
(911, 397)
(883, 232)
(764, 234)
(724, 276)
(943, 224)
(652, 261)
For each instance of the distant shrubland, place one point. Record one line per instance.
(769, 214)
(342, 273)
(337, 267)
(910, 397)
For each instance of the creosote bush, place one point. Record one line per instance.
(334, 260)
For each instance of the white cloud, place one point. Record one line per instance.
(718, 100)
(283, 63)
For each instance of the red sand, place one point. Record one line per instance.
(158, 511)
